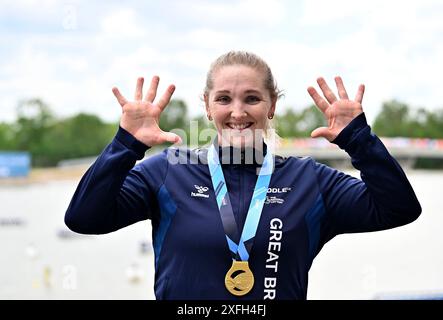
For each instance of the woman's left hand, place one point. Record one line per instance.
(338, 112)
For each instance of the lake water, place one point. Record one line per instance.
(39, 259)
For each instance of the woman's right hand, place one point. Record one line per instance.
(141, 116)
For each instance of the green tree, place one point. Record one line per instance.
(195, 136)
(82, 135)
(309, 119)
(285, 124)
(397, 119)
(175, 116)
(7, 137)
(393, 120)
(33, 119)
(299, 124)
(434, 124)
(50, 140)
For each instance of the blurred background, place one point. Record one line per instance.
(60, 59)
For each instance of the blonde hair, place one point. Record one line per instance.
(253, 61)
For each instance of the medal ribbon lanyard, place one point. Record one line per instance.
(240, 248)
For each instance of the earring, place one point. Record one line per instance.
(270, 116)
(209, 117)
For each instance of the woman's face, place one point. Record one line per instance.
(239, 104)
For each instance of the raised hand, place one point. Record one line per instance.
(141, 116)
(338, 112)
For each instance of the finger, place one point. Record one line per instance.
(360, 93)
(318, 100)
(119, 96)
(164, 100)
(139, 89)
(152, 92)
(327, 92)
(341, 88)
(322, 132)
(170, 137)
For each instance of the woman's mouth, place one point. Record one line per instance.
(239, 126)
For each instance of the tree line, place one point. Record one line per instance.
(50, 139)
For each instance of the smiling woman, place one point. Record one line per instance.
(239, 103)
(224, 229)
(241, 95)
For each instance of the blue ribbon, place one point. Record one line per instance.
(240, 248)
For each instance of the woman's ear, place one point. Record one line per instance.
(208, 112)
(272, 108)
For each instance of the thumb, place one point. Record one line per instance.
(171, 137)
(321, 132)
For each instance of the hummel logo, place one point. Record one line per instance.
(200, 192)
(201, 189)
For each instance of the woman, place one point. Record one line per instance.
(226, 229)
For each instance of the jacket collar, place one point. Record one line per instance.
(229, 155)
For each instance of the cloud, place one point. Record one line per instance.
(122, 23)
(320, 12)
(228, 13)
(395, 50)
(205, 38)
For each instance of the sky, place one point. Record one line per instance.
(71, 53)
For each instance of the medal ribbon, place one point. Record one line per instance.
(240, 248)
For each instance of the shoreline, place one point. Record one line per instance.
(42, 175)
(75, 173)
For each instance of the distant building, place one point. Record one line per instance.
(14, 164)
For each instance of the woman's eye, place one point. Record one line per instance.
(223, 99)
(252, 99)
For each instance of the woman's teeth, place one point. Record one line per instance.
(239, 126)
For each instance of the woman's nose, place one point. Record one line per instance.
(238, 111)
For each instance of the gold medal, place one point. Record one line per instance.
(239, 279)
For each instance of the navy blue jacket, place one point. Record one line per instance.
(307, 205)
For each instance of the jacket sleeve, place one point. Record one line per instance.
(382, 199)
(113, 193)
